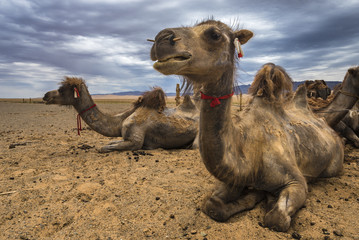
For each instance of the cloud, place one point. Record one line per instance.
(104, 41)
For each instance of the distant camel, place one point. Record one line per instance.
(149, 124)
(344, 98)
(317, 89)
(276, 146)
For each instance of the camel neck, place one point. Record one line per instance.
(345, 99)
(110, 126)
(215, 125)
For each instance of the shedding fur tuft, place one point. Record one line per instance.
(271, 83)
(72, 82)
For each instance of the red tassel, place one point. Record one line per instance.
(215, 100)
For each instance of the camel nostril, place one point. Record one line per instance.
(173, 39)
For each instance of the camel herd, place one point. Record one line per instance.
(272, 149)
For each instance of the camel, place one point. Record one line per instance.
(275, 147)
(344, 98)
(317, 88)
(149, 124)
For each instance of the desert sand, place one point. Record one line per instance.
(55, 185)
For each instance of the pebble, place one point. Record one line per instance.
(193, 232)
(330, 206)
(296, 235)
(325, 231)
(338, 233)
(204, 234)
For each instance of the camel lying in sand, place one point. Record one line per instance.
(149, 124)
(317, 89)
(343, 100)
(276, 146)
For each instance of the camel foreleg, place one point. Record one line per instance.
(226, 201)
(132, 141)
(344, 130)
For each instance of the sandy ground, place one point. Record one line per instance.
(55, 185)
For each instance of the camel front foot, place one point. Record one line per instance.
(120, 146)
(223, 204)
(214, 207)
(277, 220)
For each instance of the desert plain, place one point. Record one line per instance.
(54, 184)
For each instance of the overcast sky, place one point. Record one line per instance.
(104, 41)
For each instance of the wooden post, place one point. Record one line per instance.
(178, 97)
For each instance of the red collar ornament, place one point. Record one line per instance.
(215, 100)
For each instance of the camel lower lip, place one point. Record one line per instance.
(170, 66)
(174, 59)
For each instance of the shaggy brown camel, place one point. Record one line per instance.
(149, 124)
(317, 88)
(335, 109)
(275, 147)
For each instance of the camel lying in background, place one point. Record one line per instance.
(276, 146)
(344, 99)
(317, 89)
(149, 124)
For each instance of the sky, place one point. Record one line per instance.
(104, 41)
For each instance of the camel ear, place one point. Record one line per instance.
(243, 35)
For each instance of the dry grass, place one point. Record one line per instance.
(114, 99)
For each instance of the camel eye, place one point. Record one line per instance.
(213, 34)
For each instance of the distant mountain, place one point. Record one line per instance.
(244, 88)
(241, 88)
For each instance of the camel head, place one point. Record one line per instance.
(203, 52)
(68, 92)
(353, 73)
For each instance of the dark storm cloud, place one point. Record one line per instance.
(105, 41)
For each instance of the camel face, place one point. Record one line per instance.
(52, 97)
(66, 94)
(205, 50)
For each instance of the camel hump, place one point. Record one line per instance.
(271, 83)
(300, 97)
(153, 99)
(187, 104)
